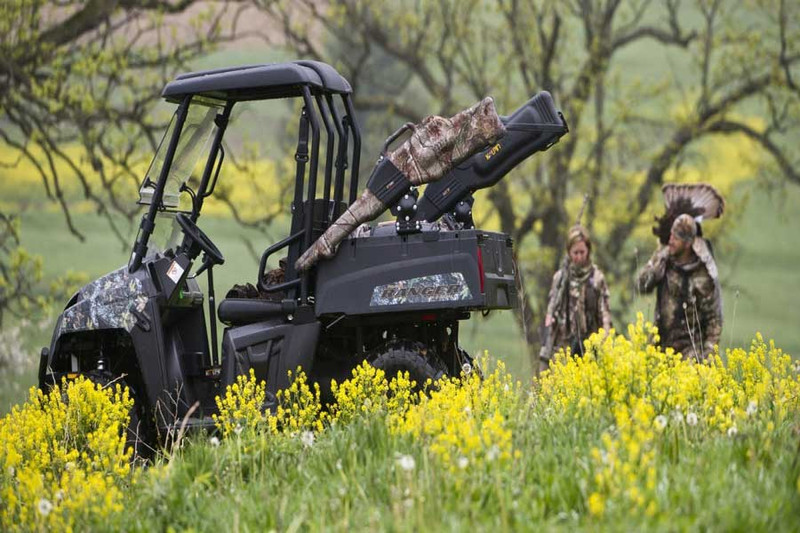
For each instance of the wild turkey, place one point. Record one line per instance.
(700, 200)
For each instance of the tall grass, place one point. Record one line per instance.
(627, 438)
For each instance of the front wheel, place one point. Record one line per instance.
(407, 359)
(138, 433)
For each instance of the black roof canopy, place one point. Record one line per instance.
(258, 82)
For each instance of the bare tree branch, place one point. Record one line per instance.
(788, 168)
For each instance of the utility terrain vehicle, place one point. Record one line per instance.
(393, 294)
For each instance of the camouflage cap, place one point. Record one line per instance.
(576, 234)
(684, 228)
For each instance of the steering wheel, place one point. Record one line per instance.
(197, 236)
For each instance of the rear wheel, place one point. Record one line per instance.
(409, 358)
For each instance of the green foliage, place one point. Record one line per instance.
(79, 85)
(22, 291)
(573, 460)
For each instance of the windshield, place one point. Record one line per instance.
(167, 234)
(198, 130)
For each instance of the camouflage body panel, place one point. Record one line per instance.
(688, 302)
(427, 289)
(110, 302)
(435, 147)
(588, 308)
(438, 144)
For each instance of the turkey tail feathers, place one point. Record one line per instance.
(705, 199)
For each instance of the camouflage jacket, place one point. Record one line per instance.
(688, 303)
(586, 311)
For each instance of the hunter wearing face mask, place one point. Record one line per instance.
(683, 273)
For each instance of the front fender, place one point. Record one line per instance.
(114, 301)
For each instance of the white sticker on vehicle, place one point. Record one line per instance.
(175, 272)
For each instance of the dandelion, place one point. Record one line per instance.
(466, 369)
(238, 429)
(338, 464)
(732, 431)
(691, 419)
(45, 506)
(752, 408)
(406, 462)
(661, 422)
(463, 462)
(214, 441)
(678, 416)
(307, 438)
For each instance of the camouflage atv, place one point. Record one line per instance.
(393, 294)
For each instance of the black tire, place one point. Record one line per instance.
(402, 359)
(138, 433)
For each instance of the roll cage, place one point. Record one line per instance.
(327, 103)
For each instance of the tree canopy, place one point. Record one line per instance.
(79, 80)
(705, 68)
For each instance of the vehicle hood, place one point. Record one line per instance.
(110, 302)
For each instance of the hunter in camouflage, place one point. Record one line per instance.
(583, 308)
(436, 145)
(688, 303)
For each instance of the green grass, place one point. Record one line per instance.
(349, 480)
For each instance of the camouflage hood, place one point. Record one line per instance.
(110, 302)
